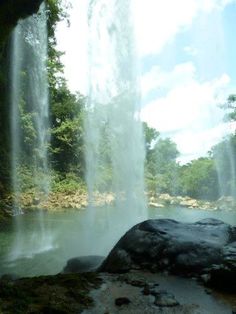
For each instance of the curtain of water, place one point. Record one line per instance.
(114, 140)
(29, 104)
(16, 58)
(225, 165)
(29, 123)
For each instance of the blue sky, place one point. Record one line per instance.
(187, 56)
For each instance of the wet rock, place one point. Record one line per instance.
(151, 289)
(48, 294)
(186, 248)
(122, 301)
(146, 290)
(154, 290)
(83, 264)
(136, 283)
(157, 205)
(165, 299)
(223, 276)
(36, 201)
(205, 278)
(208, 291)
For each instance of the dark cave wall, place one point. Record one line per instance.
(13, 10)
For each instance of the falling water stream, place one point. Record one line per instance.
(29, 123)
(114, 140)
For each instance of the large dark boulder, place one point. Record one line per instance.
(180, 248)
(223, 276)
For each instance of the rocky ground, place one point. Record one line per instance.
(60, 201)
(140, 292)
(163, 200)
(136, 292)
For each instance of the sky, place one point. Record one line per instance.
(187, 59)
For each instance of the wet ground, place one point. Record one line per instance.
(147, 293)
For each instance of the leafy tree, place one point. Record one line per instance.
(67, 146)
(66, 108)
(150, 136)
(198, 179)
(161, 166)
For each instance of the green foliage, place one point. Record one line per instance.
(57, 11)
(150, 136)
(67, 145)
(68, 184)
(66, 115)
(161, 166)
(198, 179)
(66, 108)
(163, 174)
(27, 180)
(230, 107)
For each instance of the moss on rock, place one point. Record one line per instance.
(48, 294)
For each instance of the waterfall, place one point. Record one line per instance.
(113, 131)
(29, 127)
(29, 105)
(225, 165)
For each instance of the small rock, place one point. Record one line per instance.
(156, 205)
(36, 201)
(146, 290)
(208, 291)
(122, 301)
(154, 291)
(136, 283)
(165, 299)
(205, 278)
(83, 264)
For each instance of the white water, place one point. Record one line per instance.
(29, 100)
(29, 120)
(113, 139)
(225, 165)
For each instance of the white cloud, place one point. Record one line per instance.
(189, 108)
(191, 51)
(193, 144)
(186, 100)
(157, 22)
(156, 78)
